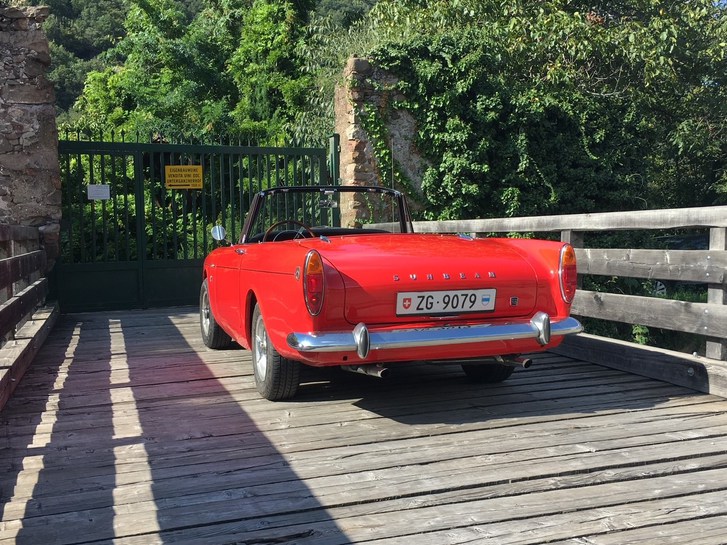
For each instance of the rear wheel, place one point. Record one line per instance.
(213, 335)
(488, 373)
(276, 377)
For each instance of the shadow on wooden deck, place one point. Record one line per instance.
(123, 431)
(127, 429)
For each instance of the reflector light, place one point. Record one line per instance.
(568, 273)
(313, 282)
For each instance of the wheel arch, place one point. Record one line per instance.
(249, 309)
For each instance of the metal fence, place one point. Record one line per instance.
(137, 216)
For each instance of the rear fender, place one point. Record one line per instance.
(282, 304)
(544, 257)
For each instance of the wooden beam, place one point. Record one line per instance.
(702, 374)
(13, 269)
(699, 318)
(680, 265)
(717, 291)
(710, 216)
(16, 357)
(15, 308)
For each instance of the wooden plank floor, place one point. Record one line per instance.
(127, 430)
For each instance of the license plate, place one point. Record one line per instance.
(444, 302)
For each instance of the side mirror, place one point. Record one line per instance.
(219, 233)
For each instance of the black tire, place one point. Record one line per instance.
(276, 377)
(487, 373)
(213, 335)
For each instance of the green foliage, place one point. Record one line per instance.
(264, 67)
(229, 70)
(553, 107)
(79, 31)
(343, 13)
(522, 107)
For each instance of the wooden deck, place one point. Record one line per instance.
(127, 430)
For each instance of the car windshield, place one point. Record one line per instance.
(316, 211)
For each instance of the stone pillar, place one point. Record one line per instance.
(358, 164)
(30, 182)
(368, 90)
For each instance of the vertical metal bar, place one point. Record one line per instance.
(104, 211)
(205, 242)
(91, 181)
(195, 225)
(231, 176)
(251, 188)
(127, 222)
(163, 228)
(113, 182)
(156, 199)
(251, 185)
(138, 159)
(334, 159)
(213, 198)
(295, 170)
(186, 195)
(223, 201)
(81, 203)
(68, 208)
(175, 193)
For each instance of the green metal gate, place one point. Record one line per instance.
(136, 217)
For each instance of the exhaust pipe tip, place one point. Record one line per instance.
(515, 361)
(370, 370)
(524, 362)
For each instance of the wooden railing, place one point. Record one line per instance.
(24, 320)
(708, 373)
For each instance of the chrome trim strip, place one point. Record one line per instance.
(361, 340)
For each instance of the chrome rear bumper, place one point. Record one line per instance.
(362, 341)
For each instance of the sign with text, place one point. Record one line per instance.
(98, 192)
(183, 176)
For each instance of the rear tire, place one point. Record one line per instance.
(488, 373)
(276, 377)
(213, 335)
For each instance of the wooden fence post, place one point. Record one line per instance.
(717, 294)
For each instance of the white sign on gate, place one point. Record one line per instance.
(98, 192)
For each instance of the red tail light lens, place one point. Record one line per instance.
(568, 273)
(314, 285)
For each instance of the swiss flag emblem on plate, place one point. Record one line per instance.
(406, 303)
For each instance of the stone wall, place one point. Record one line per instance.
(30, 183)
(367, 87)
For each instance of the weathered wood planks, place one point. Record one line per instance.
(127, 430)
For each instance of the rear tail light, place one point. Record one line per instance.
(314, 285)
(568, 273)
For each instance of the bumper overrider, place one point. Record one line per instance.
(362, 341)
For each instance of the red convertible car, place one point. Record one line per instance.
(335, 276)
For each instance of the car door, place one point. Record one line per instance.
(225, 288)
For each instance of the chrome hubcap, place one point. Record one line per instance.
(260, 355)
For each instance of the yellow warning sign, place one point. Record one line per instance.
(183, 176)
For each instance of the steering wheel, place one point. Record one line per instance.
(283, 222)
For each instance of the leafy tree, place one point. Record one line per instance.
(230, 70)
(264, 66)
(79, 31)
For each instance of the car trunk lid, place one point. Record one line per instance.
(417, 277)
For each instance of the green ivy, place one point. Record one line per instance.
(374, 123)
